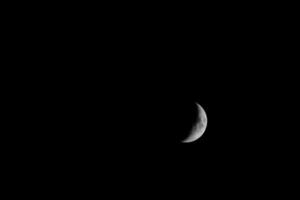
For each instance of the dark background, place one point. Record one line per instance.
(110, 100)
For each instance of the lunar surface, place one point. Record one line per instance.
(199, 128)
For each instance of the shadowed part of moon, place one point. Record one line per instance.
(199, 127)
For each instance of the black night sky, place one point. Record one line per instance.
(101, 98)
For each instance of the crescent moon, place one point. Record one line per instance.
(199, 128)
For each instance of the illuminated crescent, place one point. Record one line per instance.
(199, 128)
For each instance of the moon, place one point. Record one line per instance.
(199, 127)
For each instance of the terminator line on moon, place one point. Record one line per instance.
(199, 127)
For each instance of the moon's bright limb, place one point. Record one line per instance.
(199, 127)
